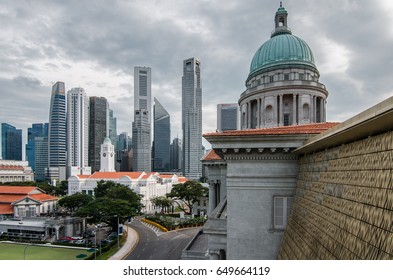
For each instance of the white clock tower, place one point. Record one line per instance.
(107, 156)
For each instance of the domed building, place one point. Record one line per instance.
(283, 85)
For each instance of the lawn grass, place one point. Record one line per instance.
(34, 252)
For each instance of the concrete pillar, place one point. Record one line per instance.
(214, 254)
(262, 115)
(321, 105)
(281, 115)
(212, 197)
(258, 113)
(294, 113)
(248, 115)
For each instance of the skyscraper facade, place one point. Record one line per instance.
(36, 130)
(192, 118)
(112, 128)
(176, 155)
(141, 140)
(162, 137)
(77, 132)
(41, 157)
(227, 116)
(98, 129)
(141, 127)
(57, 140)
(11, 138)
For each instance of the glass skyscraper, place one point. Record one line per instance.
(141, 127)
(98, 129)
(162, 137)
(11, 142)
(36, 130)
(192, 119)
(57, 142)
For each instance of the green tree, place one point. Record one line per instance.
(162, 202)
(75, 201)
(103, 187)
(105, 209)
(189, 193)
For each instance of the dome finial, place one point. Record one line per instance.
(280, 4)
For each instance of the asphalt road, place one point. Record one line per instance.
(164, 246)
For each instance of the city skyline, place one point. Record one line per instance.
(342, 34)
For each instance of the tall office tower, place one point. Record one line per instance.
(36, 130)
(57, 140)
(141, 143)
(141, 127)
(41, 157)
(98, 129)
(77, 132)
(11, 138)
(176, 155)
(112, 128)
(227, 116)
(192, 119)
(162, 137)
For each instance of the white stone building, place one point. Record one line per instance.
(15, 171)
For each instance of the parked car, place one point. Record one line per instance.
(67, 238)
(79, 241)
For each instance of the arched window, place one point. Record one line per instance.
(306, 112)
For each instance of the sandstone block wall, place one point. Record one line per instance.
(343, 206)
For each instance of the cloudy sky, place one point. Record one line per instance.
(96, 44)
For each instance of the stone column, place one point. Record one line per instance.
(212, 197)
(280, 118)
(300, 109)
(258, 113)
(322, 109)
(311, 109)
(294, 113)
(262, 115)
(248, 115)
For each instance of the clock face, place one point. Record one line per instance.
(111, 154)
(104, 154)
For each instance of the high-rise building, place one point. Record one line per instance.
(41, 157)
(162, 137)
(192, 118)
(98, 129)
(141, 127)
(77, 132)
(11, 139)
(227, 116)
(112, 128)
(141, 146)
(57, 140)
(36, 130)
(176, 155)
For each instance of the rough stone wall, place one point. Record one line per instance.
(343, 207)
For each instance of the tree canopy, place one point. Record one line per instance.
(162, 202)
(189, 193)
(111, 201)
(75, 201)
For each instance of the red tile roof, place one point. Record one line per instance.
(115, 175)
(211, 155)
(6, 209)
(83, 176)
(16, 189)
(314, 128)
(11, 198)
(182, 179)
(166, 176)
(43, 197)
(11, 167)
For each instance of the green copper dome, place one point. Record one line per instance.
(282, 50)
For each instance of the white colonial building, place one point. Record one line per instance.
(15, 171)
(148, 184)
